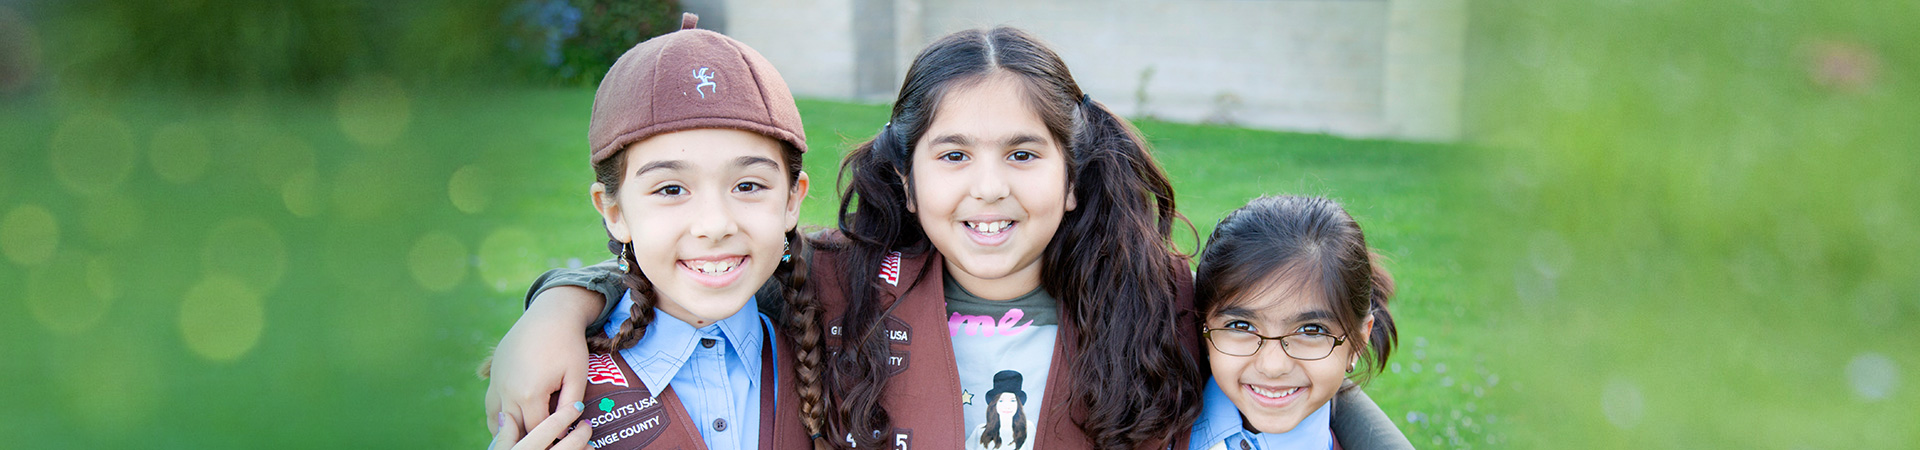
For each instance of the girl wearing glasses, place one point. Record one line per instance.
(1294, 302)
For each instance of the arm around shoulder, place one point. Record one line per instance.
(1359, 424)
(603, 278)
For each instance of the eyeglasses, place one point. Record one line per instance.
(1304, 346)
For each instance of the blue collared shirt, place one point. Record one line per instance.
(1220, 424)
(719, 385)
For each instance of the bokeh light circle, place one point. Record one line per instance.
(101, 393)
(468, 189)
(64, 297)
(92, 153)
(247, 249)
(281, 156)
(180, 152)
(220, 318)
(112, 218)
(29, 235)
(387, 342)
(301, 194)
(103, 277)
(1873, 376)
(438, 261)
(368, 189)
(374, 110)
(507, 260)
(1550, 254)
(1622, 403)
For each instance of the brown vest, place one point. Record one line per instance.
(625, 417)
(923, 395)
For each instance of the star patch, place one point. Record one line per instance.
(966, 398)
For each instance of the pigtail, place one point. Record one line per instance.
(1384, 335)
(1316, 244)
(803, 323)
(1113, 267)
(638, 317)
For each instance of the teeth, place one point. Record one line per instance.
(1273, 393)
(714, 267)
(990, 228)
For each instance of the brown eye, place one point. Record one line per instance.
(953, 157)
(1241, 325)
(1022, 156)
(671, 190)
(748, 186)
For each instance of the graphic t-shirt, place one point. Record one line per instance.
(1003, 350)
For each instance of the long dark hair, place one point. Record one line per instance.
(1307, 241)
(1111, 265)
(990, 433)
(802, 310)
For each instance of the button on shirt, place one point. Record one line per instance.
(1220, 427)
(719, 384)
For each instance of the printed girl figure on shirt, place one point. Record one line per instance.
(701, 196)
(1007, 426)
(1294, 302)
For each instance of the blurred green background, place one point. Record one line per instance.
(1704, 214)
(238, 224)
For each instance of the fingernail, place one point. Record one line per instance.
(577, 406)
(503, 419)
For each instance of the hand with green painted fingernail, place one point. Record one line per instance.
(545, 352)
(551, 433)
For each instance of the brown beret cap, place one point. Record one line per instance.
(688, 79)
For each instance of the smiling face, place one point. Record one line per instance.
(1007, 404)
(1274, 391)
(706, 211)
(990, 186)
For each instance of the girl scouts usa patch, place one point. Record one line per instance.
(626, 419)
(602, 370)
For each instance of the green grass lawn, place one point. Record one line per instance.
(246, 272)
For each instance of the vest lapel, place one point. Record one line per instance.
(625, 417)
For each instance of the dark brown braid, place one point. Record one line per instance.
(638, 318)
(803, 323)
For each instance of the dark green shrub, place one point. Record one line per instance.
(574, 42)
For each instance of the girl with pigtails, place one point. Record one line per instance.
(1295, 304)
(687, 359)
(1001, 221)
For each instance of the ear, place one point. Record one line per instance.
(1072, 202)
(794, 196)
(609, 208)
(1366, 339)
(906, 184)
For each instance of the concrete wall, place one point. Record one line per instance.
(1365, 68)
(810, 41)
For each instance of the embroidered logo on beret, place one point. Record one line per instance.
(705, 75)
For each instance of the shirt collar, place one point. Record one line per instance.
(1220, 422)
(669, 342)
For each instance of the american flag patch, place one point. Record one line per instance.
(890, 269)
(602, 370)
